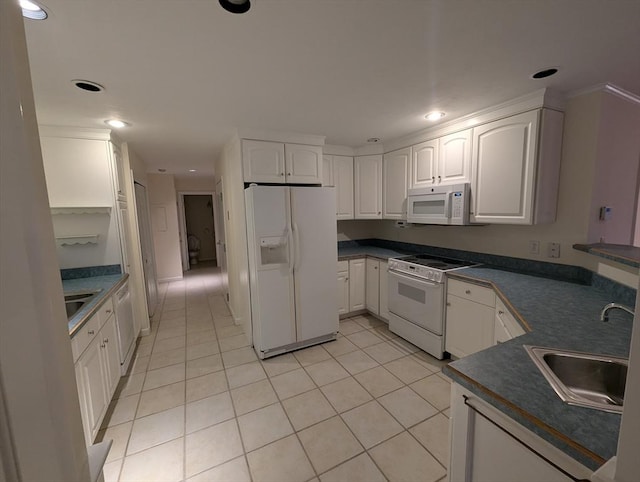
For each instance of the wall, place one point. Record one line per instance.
(41, 435)
(164, 224)
(195, 184)
(616, 176)
(198, 209)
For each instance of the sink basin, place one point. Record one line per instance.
(74, 302)
(583, 379)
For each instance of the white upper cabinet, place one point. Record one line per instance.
(368, 187)
(395, 182)
(446, 160)
(303, 164)
(275, 162)
(516, 164)
(263, 161)
(424, 164)
(327, 170)
(119, 179)
(454, 158)
(343, 181)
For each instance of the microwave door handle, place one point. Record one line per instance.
(447, 205)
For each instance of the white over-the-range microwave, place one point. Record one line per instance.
(447, 205)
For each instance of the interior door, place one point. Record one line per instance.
(315, 257)
(221, 240)
(146, 247)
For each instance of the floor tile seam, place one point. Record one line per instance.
(366, 451)
(406, 385)
(429, 452)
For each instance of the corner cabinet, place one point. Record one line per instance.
(368, 187)
(487, 445)
(275, 162)
(516, 168)
(395, 182)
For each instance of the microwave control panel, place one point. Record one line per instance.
(457, 207)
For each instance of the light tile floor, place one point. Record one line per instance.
(198, 405)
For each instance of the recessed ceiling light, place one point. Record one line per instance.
(116, 123)
(32, 10)
(162, 170)
(192, 170)
(236, 6)
(434, 116)
(87, 85)
(545, 73)
(373, 140)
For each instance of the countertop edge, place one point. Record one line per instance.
(100, 300)
(458, 376)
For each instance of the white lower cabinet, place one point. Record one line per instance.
(97, 371)
(470, 318)
(488, 446)
(384, 290)
(372, 289)
(505, 327)
(357, 290)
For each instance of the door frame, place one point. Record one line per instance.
(182, 223)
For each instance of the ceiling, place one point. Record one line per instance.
(186, 73)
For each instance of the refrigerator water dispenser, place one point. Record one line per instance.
(273, 250)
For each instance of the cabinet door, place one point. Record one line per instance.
(368, 187)
(343, 180)
(469, 326)
(343, 287)
(372, 289)
(423, 164)
(303, 164)
(263, 161)
(356, 285)
(504, 158)
(395, 182)
(327, 170)
(384, 290)
(454, 158)
(111, 355)
(90, 372)
(119, 177)
(125, 235)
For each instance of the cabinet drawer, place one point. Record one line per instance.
(507, 320)
(472, 292)
(105, 311)
(85, 335)
(343, 266)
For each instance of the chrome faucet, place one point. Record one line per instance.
(604, 316)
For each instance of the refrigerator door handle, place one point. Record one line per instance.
(296, 243)
(292, 253)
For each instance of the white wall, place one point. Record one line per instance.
(616, 175)
(195, 184)
(164, 224)
(41, 435)
(357, 229)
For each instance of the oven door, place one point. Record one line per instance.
(417, 300)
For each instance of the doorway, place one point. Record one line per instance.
(198, 238)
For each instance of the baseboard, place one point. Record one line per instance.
(170, 279)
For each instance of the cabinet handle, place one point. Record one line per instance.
(439, 178)
(107, 311)
(379, 213)
(347, 278)
(433, 179)
(448, 304)
(468, 292)
(102, 346)
(91, 332)
(282, 173)
(288, 174)
(106, 340)
(375, 267)
(500, 312)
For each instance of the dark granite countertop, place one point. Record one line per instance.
(621, 253)
(353, 252)
(558, 314)
(107, 285)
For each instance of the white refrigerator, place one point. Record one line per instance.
(292, 248)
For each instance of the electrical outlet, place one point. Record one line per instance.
(534, 247)
(553, 250)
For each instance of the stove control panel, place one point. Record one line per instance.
(416, 270)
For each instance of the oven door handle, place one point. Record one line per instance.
(414, 279)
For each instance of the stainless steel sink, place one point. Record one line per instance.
(74, 301)
(583, 379)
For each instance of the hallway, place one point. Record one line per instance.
(198, 405)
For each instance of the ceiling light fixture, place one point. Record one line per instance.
(236, 6)
(32, 10)
(116, 123)
(162, 170)
(373, 140)
(542, 74)
(192, 170)
(434, 116)
(87, 85)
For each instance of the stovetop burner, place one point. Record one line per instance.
(436, 262)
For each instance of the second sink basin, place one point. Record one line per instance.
(74, 302)
(583, 379)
